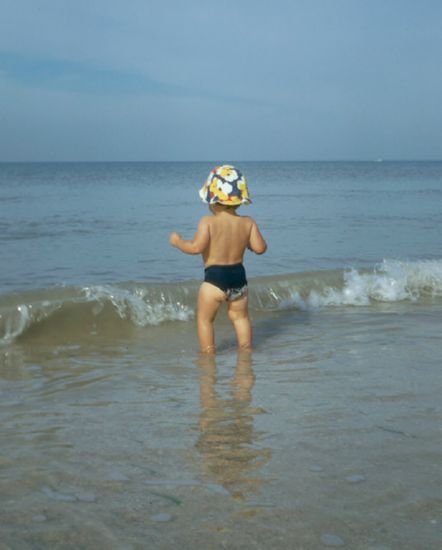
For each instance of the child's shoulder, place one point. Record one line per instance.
(248, 220)
(245, 221)
(204, 222)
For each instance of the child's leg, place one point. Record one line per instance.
(238, 311)
(210, 298)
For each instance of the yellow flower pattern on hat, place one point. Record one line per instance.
(225, 185)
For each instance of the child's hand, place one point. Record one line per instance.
(174, 238)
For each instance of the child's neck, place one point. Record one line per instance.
(218, 209)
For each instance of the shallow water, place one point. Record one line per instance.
(115, 434)
(117, 444)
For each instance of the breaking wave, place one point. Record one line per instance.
(148, 304)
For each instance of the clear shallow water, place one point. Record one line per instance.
(115, 435)
(125, 439)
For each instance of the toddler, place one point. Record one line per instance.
(222, 239)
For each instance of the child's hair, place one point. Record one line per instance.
(227, 206)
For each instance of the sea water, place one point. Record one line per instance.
(116, 434)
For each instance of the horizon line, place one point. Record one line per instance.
(379, 161)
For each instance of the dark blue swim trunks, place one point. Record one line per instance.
(231, 279)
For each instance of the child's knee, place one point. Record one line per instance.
(237, 315)
(205, 317)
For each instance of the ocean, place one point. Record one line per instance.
(116, 434)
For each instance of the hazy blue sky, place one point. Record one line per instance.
(220, 79)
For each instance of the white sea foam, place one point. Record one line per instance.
(140, 306)
(137, 306)
(152, 304)
(391, 281)
(15, 323)
(16, 320)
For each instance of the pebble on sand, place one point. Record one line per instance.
(331, 540)
(82, 496)
(116, 475)
(39, 518)
(86, 497)
(163, 517)
(55, 495)
(357, 478)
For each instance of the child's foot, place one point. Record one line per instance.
(208, 350)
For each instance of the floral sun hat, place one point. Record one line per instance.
(225, 185)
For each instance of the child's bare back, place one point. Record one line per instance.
(222, 239)
(229, 236)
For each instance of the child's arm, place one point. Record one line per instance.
(198, 244)
(257, 243)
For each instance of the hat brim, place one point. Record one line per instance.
(234, 201)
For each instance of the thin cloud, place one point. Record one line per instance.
(67, 75)
(72, 76)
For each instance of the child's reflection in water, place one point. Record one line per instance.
(227, 442)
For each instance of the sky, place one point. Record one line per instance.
(181, 80)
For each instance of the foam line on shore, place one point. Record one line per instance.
(150, 304)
